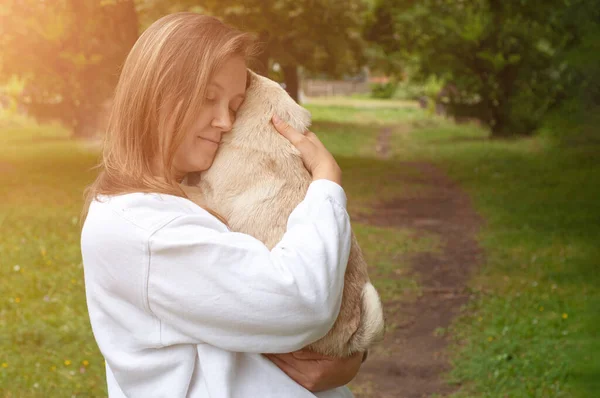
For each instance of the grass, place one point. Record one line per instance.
(531, 329)
(47, 348)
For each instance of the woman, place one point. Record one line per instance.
(179, 305)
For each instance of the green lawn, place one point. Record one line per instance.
(531, 330)
(47, 348)
(44, 329)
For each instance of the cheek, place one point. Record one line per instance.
(193, 155)
(201, 153)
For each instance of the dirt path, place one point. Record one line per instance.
(383, 143)
(411, 361)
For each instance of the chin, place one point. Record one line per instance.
(202, 166)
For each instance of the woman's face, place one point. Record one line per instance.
(225, 94)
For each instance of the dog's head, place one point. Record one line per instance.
(265, 98)
(253, 129)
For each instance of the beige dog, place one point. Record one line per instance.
(255, 182)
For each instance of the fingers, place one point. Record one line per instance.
(288, 369)
(356, 359)
(288, 131)
(309, 355)
(300, 365)
(317, 159)
(311, 136)
(317, 374)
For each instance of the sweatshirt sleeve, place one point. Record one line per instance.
(228, 290)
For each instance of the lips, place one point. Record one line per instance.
(208, 139)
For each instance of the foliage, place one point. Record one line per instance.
(321, 36)
(578, 116)
(67, 53)
(10, 90)
(504, 61)
(384, 90)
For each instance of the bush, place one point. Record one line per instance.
(384, 90)
(519, 61)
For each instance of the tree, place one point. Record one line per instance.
(576, 116)
(67, 53)
(318, 35)
(500, 58)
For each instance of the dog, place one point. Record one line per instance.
(257, 179)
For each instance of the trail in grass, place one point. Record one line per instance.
(411, 361)
(383, 143)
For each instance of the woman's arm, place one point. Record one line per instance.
(228, 290)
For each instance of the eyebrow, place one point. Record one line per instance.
(223, 88)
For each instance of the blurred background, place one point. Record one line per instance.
(468, 132)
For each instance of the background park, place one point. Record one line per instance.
(468, 134)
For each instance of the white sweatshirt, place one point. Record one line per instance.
(180, 306)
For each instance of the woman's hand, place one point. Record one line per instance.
(317, 159)
(316, 372)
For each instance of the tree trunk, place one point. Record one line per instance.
(292, 85)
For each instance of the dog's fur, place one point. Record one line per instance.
(255, 182)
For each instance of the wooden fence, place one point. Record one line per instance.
(322, 88)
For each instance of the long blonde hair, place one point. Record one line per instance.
(161, 87)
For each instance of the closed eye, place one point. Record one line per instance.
(235, 109)
(237, 104)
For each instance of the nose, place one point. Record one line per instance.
(222, 120)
